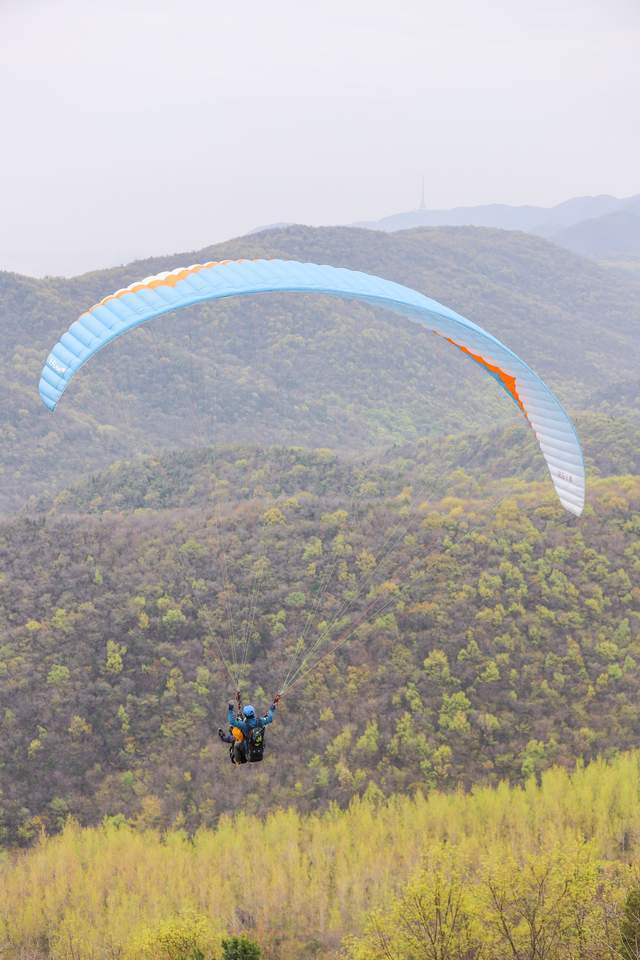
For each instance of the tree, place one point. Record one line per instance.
(240, 948)
(630, 926)
(185, 937)
(431, 920)
(543, 908)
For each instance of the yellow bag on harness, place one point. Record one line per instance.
(237, 734)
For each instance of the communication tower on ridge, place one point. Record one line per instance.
(423, 205)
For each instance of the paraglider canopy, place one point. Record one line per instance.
(127, 308)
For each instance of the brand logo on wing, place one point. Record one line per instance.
(55, 364)
(565, 476)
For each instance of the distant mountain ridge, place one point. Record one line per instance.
(614, 236)
(601, 226)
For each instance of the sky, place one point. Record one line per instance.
(135, 128)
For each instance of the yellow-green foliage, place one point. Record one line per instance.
(557, 903)
(292, 879)
(184, 937)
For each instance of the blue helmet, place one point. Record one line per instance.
(248, 711)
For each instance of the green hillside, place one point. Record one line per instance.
(434, 467)
(480, 636)
(408, 541)
(301, 370)
(622, 400)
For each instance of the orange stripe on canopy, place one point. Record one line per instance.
(170, 280)
(506, 379)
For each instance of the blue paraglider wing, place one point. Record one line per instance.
(127, 308)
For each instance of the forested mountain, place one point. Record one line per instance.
(315, 371)
(471, 462)
(464, 628)
(619, 402)
(475, 637)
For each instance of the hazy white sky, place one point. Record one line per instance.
(139, 127)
